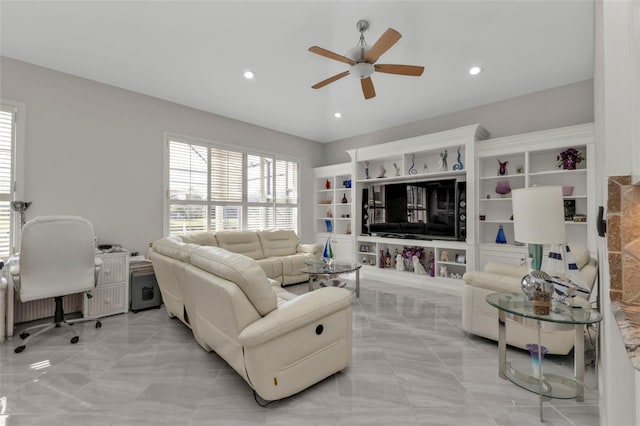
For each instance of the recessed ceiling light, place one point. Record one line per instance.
(337, 115)
(249, 75)
(475, 70)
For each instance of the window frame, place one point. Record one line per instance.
(243, 204)
(17, 167)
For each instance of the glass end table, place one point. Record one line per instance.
(546, 385)
(329, 271)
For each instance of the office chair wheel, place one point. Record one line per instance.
(24, 335)
(75, 339)
(19, 349)
(98, 324)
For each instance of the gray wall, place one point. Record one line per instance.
(548, 109)
(97, 151)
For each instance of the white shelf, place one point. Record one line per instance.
(419, 176)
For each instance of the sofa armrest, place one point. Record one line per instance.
(498, 268)
(309, 248)
(493, 282)
(296, 313)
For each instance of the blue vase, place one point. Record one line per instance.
(500, 238)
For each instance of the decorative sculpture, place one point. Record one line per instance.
(383, 171)
(412, 170)
(458, 165)
(443, 167)
(397, 169)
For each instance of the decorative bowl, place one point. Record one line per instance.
(567, 191)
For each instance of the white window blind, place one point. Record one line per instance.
(216, 189)
(7, 149)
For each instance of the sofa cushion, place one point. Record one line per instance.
(580, 254)
(272, 267)
(241, 270)
(200, 238)
(242, 242)
(175, 248)
(278, 242)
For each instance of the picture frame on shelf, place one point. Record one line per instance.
(461, 258)
(569, 209)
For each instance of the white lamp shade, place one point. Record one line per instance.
(538, 215)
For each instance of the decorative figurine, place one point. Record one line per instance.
(443, 167)
(366, 170)
(444, 256)
(417, 266)
(432, 265)
(443, 271)
(397, 169)
(387, 259)
(329, 212)
(383, 171)
(425, 169)
(344, 199)
(412, 169)
(502, 170)
(458, 165)
(399, 263)
(348, 230)
(327, 184)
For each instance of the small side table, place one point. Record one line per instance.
(549, 385)
(331, 271)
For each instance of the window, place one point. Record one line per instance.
(214, 189)
(7, 161)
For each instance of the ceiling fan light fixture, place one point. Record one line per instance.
(337, 114)
(361, 70)
(249, 75)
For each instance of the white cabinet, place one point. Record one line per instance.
(334, 209)
(532, 161)
(111, 295)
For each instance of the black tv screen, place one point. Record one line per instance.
(413, 209)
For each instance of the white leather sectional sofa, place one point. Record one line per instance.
(481, 319)
(280, 343)
(277, 252)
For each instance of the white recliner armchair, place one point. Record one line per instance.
(481, 319)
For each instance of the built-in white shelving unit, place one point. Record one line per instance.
(334, 209)
(532, 161)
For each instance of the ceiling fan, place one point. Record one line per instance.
(363, 57)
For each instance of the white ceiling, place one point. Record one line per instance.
(194, 53)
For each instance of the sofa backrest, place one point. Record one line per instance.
(241, 270)
(242, 242)
(200, 238)
(175, 248)
(278, 242)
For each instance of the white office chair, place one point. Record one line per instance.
(57, 258)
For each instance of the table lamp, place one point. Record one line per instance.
(538, 219)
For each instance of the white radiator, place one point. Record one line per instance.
(44, 308)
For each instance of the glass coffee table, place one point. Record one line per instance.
(330, 271)
(548, 385)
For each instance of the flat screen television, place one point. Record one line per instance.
(419, 210)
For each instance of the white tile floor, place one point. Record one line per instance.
(412, 365)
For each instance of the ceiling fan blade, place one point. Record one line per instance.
(367, 88)
(412, 70)
(330, 80)
(331, 55)
(384, 43)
